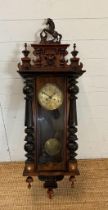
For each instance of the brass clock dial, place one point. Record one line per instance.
(52, 146)
(50, 96)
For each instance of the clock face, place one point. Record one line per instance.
(50, 96)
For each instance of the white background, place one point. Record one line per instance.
(84, 22)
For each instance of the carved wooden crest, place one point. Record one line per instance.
(50, 55)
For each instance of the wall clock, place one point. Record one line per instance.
(50, 109)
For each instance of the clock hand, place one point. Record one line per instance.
(53, 94)
(46, 94)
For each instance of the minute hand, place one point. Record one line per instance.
(53, 94)
(46, 95)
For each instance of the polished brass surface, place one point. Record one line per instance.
(52, 146)
(50, 96)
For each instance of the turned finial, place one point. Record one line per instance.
(25, 51)
(74, 52)
(25, 45)
(74, 46)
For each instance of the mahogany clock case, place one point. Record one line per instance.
(56, 128)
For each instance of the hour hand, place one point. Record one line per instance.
(46, 94)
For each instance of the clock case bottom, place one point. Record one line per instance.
(50, 178)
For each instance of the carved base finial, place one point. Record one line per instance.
(29, 180)
(50, 184)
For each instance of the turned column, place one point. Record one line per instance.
(72, 123)
(28, 90)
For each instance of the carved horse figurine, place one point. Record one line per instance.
(51, 30)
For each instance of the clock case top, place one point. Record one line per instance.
(50, 59)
